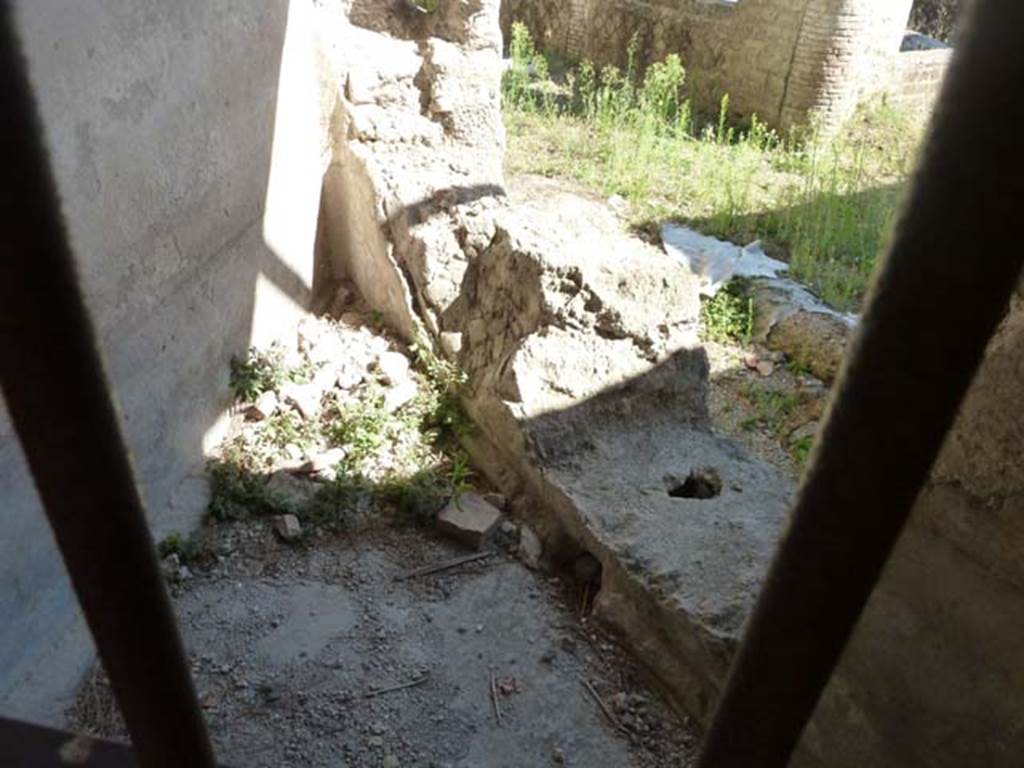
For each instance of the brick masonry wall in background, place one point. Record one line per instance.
(780, 59)
(917, 78)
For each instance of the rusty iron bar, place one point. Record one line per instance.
(56, 391)
(939, 295)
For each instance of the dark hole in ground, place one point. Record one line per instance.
(703, 483)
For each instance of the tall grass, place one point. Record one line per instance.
(824, 200)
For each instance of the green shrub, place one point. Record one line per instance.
(258, 371)
(728, 316)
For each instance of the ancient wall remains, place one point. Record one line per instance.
(779, 59)
(917, 77)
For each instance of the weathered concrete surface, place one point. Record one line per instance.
(579, 340)
(935, 673)
(586, 376)
(679, 574)
(185, 139)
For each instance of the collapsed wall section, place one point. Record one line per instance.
(588, 385)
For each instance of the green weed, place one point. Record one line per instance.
(286, 427)
(800, 450)
(361, 427)
(440, 410)
(257, 372)
(186, 548)
(338, 502)
(772, 407)
(404, 464)
(728, 316)
(823, 199)
(236, 493)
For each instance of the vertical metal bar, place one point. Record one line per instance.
(941, 291)
(53, 381)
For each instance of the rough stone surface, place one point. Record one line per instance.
(497, 500)
(548, 303)
(394, 367)
(264, 407)
(790, 319)
(579, 340)
(531, 549)
(324, 463)
(289, 488)
(940, 639)
(287, 527)
(678, 575)
(304, 398)
(468, 518)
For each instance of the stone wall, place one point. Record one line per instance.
(779, 59)
(186, 139)
(934, 675)
(917, 78)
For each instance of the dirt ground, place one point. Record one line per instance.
(774, 412)
(289, 644)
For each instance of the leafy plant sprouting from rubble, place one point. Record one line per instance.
(257, 372)
(406, 462)
(729, 314)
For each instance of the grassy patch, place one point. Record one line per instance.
(800, 450)
(187, 548)
(772, 407)
(404, 463)
(825, 200)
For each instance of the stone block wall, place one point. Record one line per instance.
(780, 59)
(917, 78)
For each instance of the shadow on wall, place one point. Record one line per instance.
(185, 139)
(932, 676)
